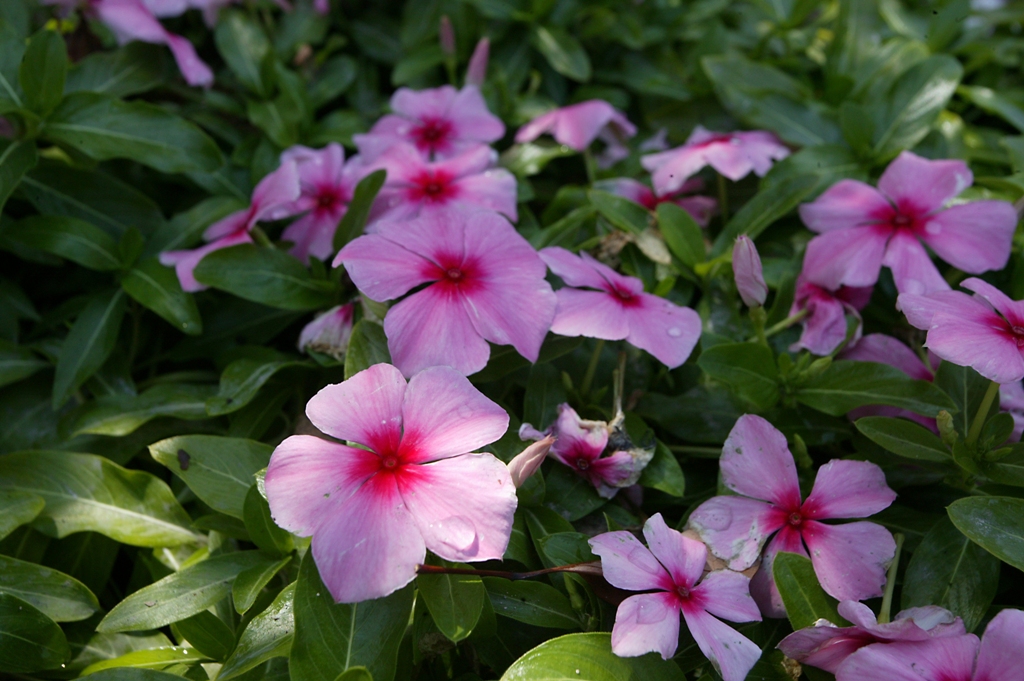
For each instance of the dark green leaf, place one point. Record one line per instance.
(17, 363)
(66, 237)
(261, 526)
(996, 524)
(354, 221)
(207, 634)
(134, 674)
(29, 640)
(137, 67)
(135, 665)
(767, 206)
(367, 346)
(123, 414)
(806, 602)
(268, 635)
(264, 275)
(623, 213)
(454, 601)
(588, 657)
(245, 47)
(563, 52)
(534, 603)
(250, 583)
(846, 385)
(903, 437)
(663, 473)
(18, 508)
(88, 344)
(748, 367)
(570, 495)
(914, 103)
(157, 287)
(682, 234)
(966, 387)
(355, 674)
(17, 157)
(43, 71)
(243, 378)
(60, 597)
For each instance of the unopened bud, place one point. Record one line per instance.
(947, 431)
(817, 368)
(476, 72)
(329, 333)
(447, 35)
(746, 266)
(529, 460)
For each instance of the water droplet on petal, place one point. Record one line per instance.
(675, 332)
(457, 533)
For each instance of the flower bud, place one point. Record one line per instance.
(447, 35)
(746, 266)
(529, 460)
(476, 72)
(329, 333)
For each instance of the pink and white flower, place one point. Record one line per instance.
(374, 512)
(700, 208)
(825, 323)
(578, 125)
(733, 154)
(440, 123)
(826, 646)
(416, 186)
(273, 194)
(862, 228)
(330, 332)
(850, 560)
(996, 657)
(598, 302)
(670, 568)
(984, 331)
(484, 283)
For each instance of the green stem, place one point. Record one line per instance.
(695, 450)
(723, 200)
(588, 378)
(591, 165)
(979, 418)
(890, 581)
(786, 323)
(260, 237)
(758, 317)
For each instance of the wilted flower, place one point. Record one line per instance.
(850, 560)
(329, 333)
(825, 323)
(670, 569)
(700, 208)
(528, 461)
(484, 283)
(373, 512)
(862, 228)
(619, 309)
(578, 125)
(746, 267)
(733, 154)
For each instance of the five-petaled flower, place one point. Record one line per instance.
(374, 512)
(671, 570)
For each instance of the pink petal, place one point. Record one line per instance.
(312, 235)
(915, 624)
(947, 659)
(877, 347)
(726, 594)
(977, 338)
(463, 506)
(579, 124)
(921, 310)
(1012, 310)
(999, 656)
(911, 266)
(444, 415)
(611, 473)
(825, 325)
(368, 546)
(684, 558)
(316, 167)
(735, 528)
(537, 127)
(845, 205)
(923, 184)
(748, 272)
(974, 237)
(308, 477)
(419, 104)
(762, 585)
(194, 69)
(527, 462)
(824, 645)
(700, 208)
(593, 314)
(576, 436)
(475, 160)
(278, 188)
(850, 256)
(731, 653)
(185, 262)
(671, 169)
(574, 270)
(367, 408)
(381, 268)
(850, 560)
(493, 189)
(476, 71)
(646, 623)
(848, 489)
(431, 328)
(628, 564)
(756, 462)
(667, 331)
(471, 118)
(635, 191)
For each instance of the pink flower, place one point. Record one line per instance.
(414, 185)
(862, 228)
(373, 512)
(700, 208)
(996, 657)
(670, 569)
(850, 560)
(528, 461)
(733, 154)
(484, 283)
(984, 332)
(440, 123)
(579, 444)
(476, 71)
(619, 309)
(327, 184)
(746, 267)
(825, 323)
(275, 191)
(827, 646)
(578, 125)
(329, 333)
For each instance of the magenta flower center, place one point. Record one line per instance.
(432, 134)
(454, 274)
(625, 297)
(795, 519)
(1018, 335)
(901, 220)
(389, 461)
(329, 198)
(433, 186)
(582, 463)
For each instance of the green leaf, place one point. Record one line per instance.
(119, 414)
(563, 52)
(103, 128)
(994, 103)
(529, 158)
(903, 437)
(243, 378)
(367, 346)
(950, 571)
(358, 212)
(355, 674)
(29, 640)
(914, 103)
(219, 470)
(88, 344)
(996, 524)
(71, 238)
(139, 665)
(767, 206)
(17, 157)
(207, 634)
(846, 385)
(966, 387)
(261, 526)
(17, 363)
(268, 635)
(1008, 469)
(101, 647)
(250, 583)
(264, 275)
(181, 594)
(84, 492)
(157, 287)
(18, 508)
(683, 235)
(135, 68)
(806, 602)
(534, 603)
(748, 367)
(60, 597)
(331, 638)
(245, 47)
(563, 231)
(136, 674)
(588, 657)
(43, 71)
(622, 213)
(544, 392)
(663, 473)
(454, 601)
(570, 495)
